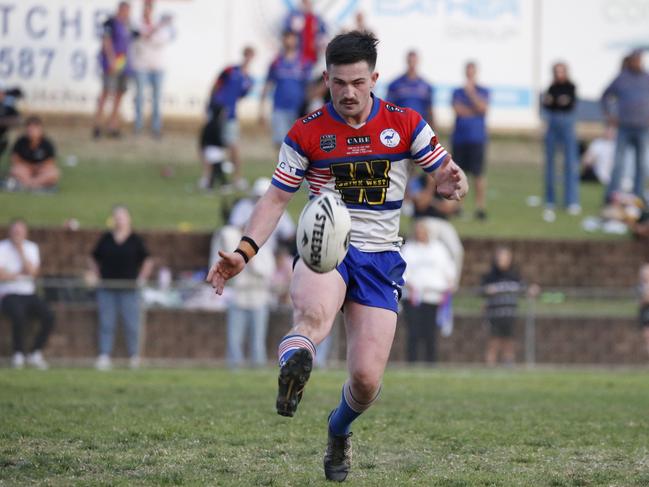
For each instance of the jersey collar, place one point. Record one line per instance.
(376, 104)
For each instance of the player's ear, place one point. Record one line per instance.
(325, 75)
(374, 78)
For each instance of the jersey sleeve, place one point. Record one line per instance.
(425, 149)
(293, 164)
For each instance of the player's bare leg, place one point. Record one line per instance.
(370, 332)
(316, 300)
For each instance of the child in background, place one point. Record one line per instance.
(643, 288)
(502, 287)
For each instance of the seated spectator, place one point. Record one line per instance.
(33, 164)
(643, 288)
(430, 273)
(9, 116)
(599, 158)
(19, 265)
(122, 262)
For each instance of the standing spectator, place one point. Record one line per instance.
(9, 116)
(148, 63)
(412, 91)
(233, 83)
(33, 158)
(643, 289)
(289, 75)
(502, 287)
(116, 68)
(470, 104)
(625, 103)
(560, 102)
(430, 273)
(248, 311)
(310, 29)
(122, 262)
(19, 265)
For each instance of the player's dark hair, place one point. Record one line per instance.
(352, 47)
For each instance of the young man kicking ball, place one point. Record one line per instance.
(360, 148)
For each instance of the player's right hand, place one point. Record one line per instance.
(229, 265)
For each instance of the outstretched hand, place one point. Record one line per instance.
(451, 180)
(229, 265)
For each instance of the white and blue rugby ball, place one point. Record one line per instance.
(323, 233)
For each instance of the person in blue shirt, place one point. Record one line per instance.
(469, 140)
(233, 83)
(289, 75)
(412, 91)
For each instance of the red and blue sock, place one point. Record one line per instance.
(347, 411)
(290, 344)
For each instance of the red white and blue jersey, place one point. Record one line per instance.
(368, 166)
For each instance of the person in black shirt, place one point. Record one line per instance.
(502, 287)
(33, 163)
(121, 260)
(559, 103)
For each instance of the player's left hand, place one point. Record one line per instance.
(451, 180)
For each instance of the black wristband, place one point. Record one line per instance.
(252, 243)
(242, 254)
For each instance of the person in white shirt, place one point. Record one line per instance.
(19, 265)
(600, 156)
(431, 272)
(248, 310)
(148, 63)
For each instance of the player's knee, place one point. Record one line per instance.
(365, 385)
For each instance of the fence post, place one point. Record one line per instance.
(530, 332)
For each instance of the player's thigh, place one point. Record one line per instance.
(370, 333)
(316, 297)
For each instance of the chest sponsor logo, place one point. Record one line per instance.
(327, 142)
(362, 182)
(390, 138)
(360, 140)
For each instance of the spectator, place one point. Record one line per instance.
(412, 91)
(625, 103)
(284, 231)
(33, 159)
(502, 287)
(9, 116)
(599, 158)
(19, 265)
(116, 68)
(426, 202)
(121, 260)
(212, 149)
(643, 288)
(430, 273)
(289, 75)
(560, 102)
(233, 83)
(470, 104)
(310, 29)
(247, 313)
(148, 63)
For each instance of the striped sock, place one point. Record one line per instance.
(290, 344)
(347, 411)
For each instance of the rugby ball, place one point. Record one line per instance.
(323, 233)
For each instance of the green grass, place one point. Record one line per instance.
(431, 428)
(129, 171)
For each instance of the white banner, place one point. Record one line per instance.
(50, 47)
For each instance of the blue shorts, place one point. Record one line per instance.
(373, 278)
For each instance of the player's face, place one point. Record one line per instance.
(350, 86)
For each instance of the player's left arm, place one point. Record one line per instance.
(432, 157)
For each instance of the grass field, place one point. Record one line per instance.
(450, 428)
(129, 171)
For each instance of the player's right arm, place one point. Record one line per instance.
(286, 181)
